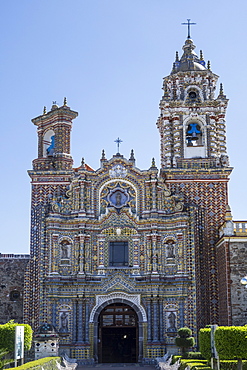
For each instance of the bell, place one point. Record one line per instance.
(194, 137)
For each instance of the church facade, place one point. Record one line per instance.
(121, 258)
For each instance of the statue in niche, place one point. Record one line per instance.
(171, 318)
(170, 249)
(118, 198)
(64, 321)
(65, 250)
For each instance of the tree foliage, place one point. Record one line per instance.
(3, 361)
(7, 336)
(205, 343)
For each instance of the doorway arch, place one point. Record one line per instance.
(133, 302)
(118, 334)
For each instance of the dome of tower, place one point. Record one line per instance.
(189, 60)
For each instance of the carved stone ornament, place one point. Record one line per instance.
(118, 171)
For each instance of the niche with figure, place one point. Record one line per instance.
(171, 318)
(65, 252)
(170, 249)
(63, 322)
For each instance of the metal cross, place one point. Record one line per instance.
(188, 24)
(118, 141)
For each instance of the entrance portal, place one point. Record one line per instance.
(118, 334)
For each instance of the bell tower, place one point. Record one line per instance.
(54, 129)
(192, 121)
(194, 161)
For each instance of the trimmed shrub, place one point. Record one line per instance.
(205, 343)
(175, 358)
(195, 355)
(193, 364)
(232, 364)
(231, 342)
(184, 339)
(47, 363)
(7, 336)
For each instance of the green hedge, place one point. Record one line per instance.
(7, 336)
(47, 363)
(232, 364)
(205, 343)
(199, 364)
(231, 342)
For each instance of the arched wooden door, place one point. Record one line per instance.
(118, 334)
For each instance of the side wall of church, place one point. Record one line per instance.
(238, 271)
(12, 270)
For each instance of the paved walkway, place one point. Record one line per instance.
(126, 366)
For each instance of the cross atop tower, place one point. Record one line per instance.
(188, 24)
(118, 142)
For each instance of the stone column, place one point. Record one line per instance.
(80, 321)
(75, 324)
(81, 254)
(149, 315)
(87, 322)
(155, 321)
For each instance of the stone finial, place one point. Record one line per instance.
(153, 163)
(221, 89)
(221, 95)
(65, 102)
(54, 105)
(209, 66)
(228, 215)
(177, 58)
(82, 162)
(103, 155)
(44, 110)
(132, 157)
(201, 55)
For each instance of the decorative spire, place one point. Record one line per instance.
(153, 163)
(177, 58)
(103, 155)
(221, 89)
(201, 55)
(44, 111)
(221, 93)
(82, 163)
(209, 66)
(65, 102)
(132, 158)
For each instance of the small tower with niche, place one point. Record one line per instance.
(54, 129)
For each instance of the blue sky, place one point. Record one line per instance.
(108, 57)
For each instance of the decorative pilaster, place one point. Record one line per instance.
(101, 262)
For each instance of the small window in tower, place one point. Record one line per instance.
(15, 295)
(118, 255)
(194, 134)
